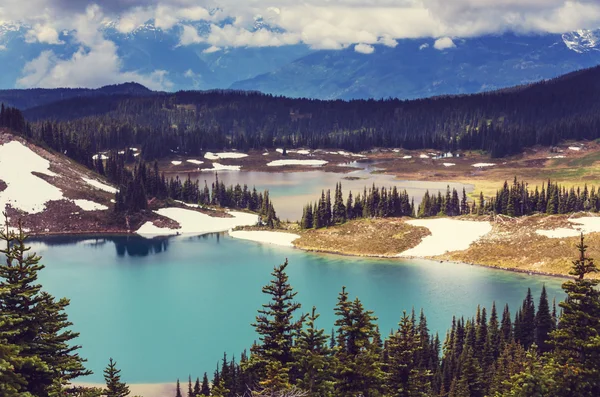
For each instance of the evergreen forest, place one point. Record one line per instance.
(191, 122)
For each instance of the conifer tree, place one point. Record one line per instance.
(197, 387)
(312, 359)
(404, 376)
(359, 371)
(576, 341)
(178, 390)
(544, 324)
(205, 390)
(276, 327)
(114, 386)
(42, 331)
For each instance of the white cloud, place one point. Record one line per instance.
(43, 34)
(211, 49)
(444, 43)
(424, 46)
(2, 47)
(364, 48)
(189, 35)
(333, 24)
(94, 64)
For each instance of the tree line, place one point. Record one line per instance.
(376, 202)
(539, 351)
(516, 199)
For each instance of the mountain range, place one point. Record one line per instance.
(414, 68)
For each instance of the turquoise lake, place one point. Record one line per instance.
(166, 309)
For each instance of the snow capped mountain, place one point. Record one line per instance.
(412, 69)
(584, 40)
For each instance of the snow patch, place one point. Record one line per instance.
(221, 167)
(24, 190)
(407, 157)
(278, 163)
(197, 162)
(176, 162)
(575, 148)
(557, 157)
(447, 235)
(88, 205)
(423, 156)
(449, 164)
(585, 225)
(197, 223)
(100, 185)
(266, 237)
(224, 155)
(481, 165)
(100, 156)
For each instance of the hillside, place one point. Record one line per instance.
(499, 122)
(25, 99)
(68, 197)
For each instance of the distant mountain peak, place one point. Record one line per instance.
(583, 40)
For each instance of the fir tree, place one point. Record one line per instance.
(276, 326)
(312, 359)
(544, 324)
(42, 331)
(114, 386)
(576, 341)
(404, 376)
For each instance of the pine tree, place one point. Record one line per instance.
(205, 390)
(114, 386)
(404, 377)
(527, 321)
(544, 324)
(359, 371)
(178, 390)
(577, 339)
(197, 388)
(276, 327)
(42, 331)
(312, 359)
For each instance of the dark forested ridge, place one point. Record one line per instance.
(191, 122)
(28, 98)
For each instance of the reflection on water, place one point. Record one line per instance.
(290, 191)
(125, 245)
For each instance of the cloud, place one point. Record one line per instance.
(424, 46)
(43, 34)
(333, 24)
(2, 47)
(94, 64)
(444, 43)
(364, 48)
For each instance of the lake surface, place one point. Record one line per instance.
(165, 309)
(290, 191)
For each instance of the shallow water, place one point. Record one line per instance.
(165, 309)
(290, 191)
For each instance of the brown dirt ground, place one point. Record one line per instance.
(364, 237)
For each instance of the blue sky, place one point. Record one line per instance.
(319, 24)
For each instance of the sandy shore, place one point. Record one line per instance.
(143, 389)
(266, 237)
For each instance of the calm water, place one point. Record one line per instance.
(168, 308)
(290, 191)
